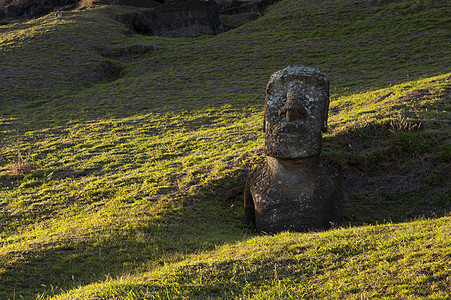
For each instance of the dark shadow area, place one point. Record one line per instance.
(27, 9)
(134, 3)
(108, 71)
(392, 174)
(20, 10)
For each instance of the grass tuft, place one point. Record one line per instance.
(20, 168)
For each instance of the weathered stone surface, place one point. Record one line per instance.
(32, 8)
(182, 19)
(294, 190)
(293, 195)
(296, 106)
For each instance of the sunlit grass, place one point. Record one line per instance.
(409, 260)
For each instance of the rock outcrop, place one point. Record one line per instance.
(180, 19)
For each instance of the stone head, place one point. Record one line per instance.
(296, 107)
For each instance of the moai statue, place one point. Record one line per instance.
(294, 190)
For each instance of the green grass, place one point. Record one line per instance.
(374, 262)
(139, 147)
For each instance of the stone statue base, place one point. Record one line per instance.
(293, 195)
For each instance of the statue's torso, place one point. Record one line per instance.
(295, 197)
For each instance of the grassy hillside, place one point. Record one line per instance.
(123, 157)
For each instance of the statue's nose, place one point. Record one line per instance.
(293, 109)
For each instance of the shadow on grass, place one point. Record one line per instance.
(392, 175)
